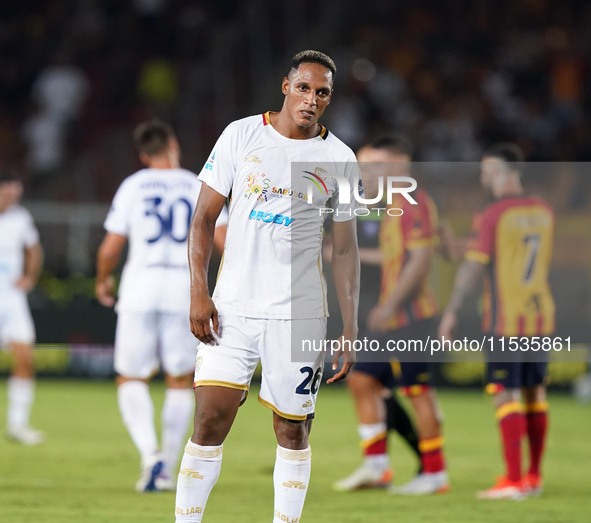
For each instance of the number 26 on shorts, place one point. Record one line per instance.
(311, 376)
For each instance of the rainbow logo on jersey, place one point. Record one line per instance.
(317, 180)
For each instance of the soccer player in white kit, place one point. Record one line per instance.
(271, 293)
(152, 209)
(21, 258)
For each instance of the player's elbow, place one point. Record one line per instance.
(345, 254)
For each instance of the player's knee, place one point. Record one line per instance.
(353, 382)
(291, 434)
(179, 382)
(535, 394)
(361, 383)
(23, 360)
(210, 425)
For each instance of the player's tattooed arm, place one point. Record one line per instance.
(33, 264)
(106, 261)
(468, 274)
(346, 269)
(203, 314)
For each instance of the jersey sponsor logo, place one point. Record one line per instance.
(254, 159)
(278, 192)
(209, 164)
(269, 217)
(257, 185)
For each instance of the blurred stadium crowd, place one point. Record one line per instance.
(77, 75)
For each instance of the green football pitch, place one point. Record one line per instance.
(87, 469)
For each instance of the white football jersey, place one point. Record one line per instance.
(17, 232)
(272, 265)
(153, 209)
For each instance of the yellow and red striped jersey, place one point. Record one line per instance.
(513, 237)
(416, 228)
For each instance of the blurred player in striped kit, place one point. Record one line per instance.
(152, 209)
(21, 258)
(511, 246)
(406, 310)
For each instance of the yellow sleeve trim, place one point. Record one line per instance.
(476, 256)
(215, 383)
(293, 417)
(540, 406)
(513, 407)
(369, 442)
(429, 445)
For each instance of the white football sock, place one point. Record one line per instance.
(290, 479)
(372, 431)
(137, 411)
(369, 433)
(21, 392)
(177, 413)
(200, 469)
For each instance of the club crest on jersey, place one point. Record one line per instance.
(257, 185)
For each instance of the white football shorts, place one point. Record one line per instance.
(144, 339)
(289, 389)
(16, 323)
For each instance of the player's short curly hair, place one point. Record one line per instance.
(510, 153)
(152, 137)
(397, 143)
(313, 57)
